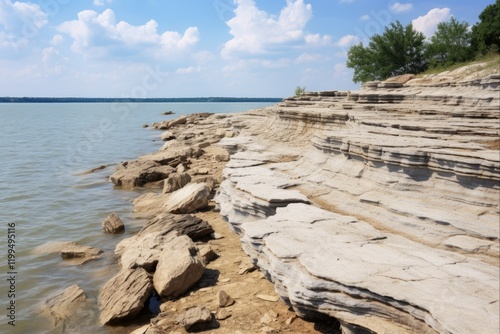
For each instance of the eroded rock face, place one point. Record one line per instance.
(377, 207)
(75, 253)
(176, 182)
(179, 268)
(124, 295)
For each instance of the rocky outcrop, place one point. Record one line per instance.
(380, 207)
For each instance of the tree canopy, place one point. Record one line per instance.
(450, 44)
(399, 50)
(486, 34)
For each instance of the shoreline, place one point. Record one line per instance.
(309, 185)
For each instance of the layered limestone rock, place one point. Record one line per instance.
(378, 207)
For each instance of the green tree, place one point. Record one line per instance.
(299, 90)
(486, 34)
(450, 44)
(399, 50)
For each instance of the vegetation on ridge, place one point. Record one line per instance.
(402, 50)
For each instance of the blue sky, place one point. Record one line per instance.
(188, 48)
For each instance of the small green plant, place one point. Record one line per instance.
(299, 90)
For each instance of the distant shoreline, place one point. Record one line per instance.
(134, 100)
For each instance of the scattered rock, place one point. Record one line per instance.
(268, 298)
(170, 112)
(224, 299)
(207, 254)
(79, 254)
(266, 319)
(290, 320)
(216, 236)
(113, 224)
(176, 182)
(192, 197)
(195, 318)
(144, 248)
(167, 135)
(223, 314)
(179, 268)
(124, 295)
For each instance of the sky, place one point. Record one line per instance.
(197, 48)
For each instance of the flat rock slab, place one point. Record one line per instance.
(64, 305)
(78, 254)
(124, 295)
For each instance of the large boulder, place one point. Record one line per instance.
(124, 295)
(137, 173)
(179, 268)
(188, 199)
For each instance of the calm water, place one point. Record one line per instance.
(43, 150)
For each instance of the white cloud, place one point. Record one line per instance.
(53, 61)
(317, 39)
(100, 32)
(427, 24)
(365, 17)
(308, 57)
(257, 32)
(347, 40)
(187, 70)
(101, 2)
(398, 7)
(21, 22)
(57, 40)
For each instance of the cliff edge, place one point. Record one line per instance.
(378, 207)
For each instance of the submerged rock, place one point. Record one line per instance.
(113, 224)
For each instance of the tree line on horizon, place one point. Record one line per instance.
(404, 50)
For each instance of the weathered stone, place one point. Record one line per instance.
(113, 224)
(144, 249)
(167, 135)
(64, 305)
(124, 295)
(195, 318)
(387, 217)
(79, 254)
(179, 268)
(192, 197)
(224, 299)
(223, 314)
(207, 254)
(176, 182)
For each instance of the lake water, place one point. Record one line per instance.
(44, 198)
